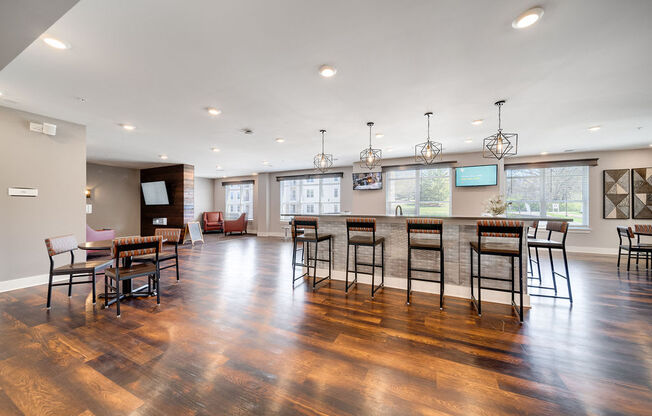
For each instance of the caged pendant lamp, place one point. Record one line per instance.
(371, 157)
(428, 151)
(323, 161)
(501, 144)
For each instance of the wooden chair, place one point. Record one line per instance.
(125, 248)
(425, 226)
(507, 230)
(68, 244)
(171, 236)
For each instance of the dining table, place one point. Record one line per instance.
(127, 289)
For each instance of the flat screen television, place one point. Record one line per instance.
(367, 181)
(484, 175)
(155, 193)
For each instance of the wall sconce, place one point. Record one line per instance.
(88, 193)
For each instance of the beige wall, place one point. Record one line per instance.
(115, 197)
(57, 167)
(204, 196)
(601, 236)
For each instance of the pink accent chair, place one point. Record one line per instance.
(98, 235)
(235, 226)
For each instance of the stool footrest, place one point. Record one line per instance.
(424, 280)
(370, 265)
(424, 270)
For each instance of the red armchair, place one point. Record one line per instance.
(213, 221)
(235, 226)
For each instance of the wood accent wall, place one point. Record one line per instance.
(180, 184)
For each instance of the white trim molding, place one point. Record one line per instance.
(23, 282)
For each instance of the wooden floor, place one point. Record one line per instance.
(234, 338)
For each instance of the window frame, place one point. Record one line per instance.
(316, 200)
(417, 190)
(242, 187)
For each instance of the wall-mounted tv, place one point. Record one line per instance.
(484, 175)
(155, 193)
(367, 181)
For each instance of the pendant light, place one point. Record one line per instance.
(371, 157)
(501, 144)
(323, 161)
(428, 151)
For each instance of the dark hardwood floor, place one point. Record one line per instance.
(233, 338)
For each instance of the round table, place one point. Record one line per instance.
(96, 245)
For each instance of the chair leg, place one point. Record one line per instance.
(330, 257)
(70, 286)
(629, 257)
(441, 279)
(471, 266)
(619, 250)
(355, 263)
(314, 270)
(346, 275)
(94, 287)
(570, 293)
(158, 287)
(479, 284)
(382, 263)
(117, 299)
(520, 289)
(49, 291)
(552, 267)
(294, 261)
(536, 251)
(373, 268)
(409, 275)
(106, 291)
(512, 264)
(177, 264)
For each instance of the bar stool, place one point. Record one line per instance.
(425, 226)
(508, 230)
(532, 234)
(299, 225)
(366, 225)
(560, 227)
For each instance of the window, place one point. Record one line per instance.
(315, 196)
(419, 191)
(239, 199)
(550, 192)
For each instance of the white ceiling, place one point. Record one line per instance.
(158, 64)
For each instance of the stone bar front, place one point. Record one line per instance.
(458, 233)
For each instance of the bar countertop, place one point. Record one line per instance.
(452, 217)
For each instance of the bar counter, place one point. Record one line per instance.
(458, 233)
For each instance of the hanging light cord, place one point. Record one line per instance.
(322, 142)
(428, 126)
(499, 120)
(370, 136)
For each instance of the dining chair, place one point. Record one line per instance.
(171, 236)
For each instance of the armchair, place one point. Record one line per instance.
(238, 225)
(213, 221)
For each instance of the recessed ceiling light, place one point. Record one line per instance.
(650, 144)
(56, 43)
(379, 135)
(468, 141)
(528, 18)
(390, 149)
(544, 153)
(129, 127)
(327, 71)
(279, 140)
(219, 167)
(215, 149)
(477, 122)
(164, 157)
(214, 111)
(594, 128)
(0, 93)
(255, 174)
(265, 162)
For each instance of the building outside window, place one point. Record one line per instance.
(239, 199)
(424, 191)
(317, 195)
(550, 192)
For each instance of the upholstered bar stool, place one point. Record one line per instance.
(511, 232)
(300, 225)
(425, 226)
(558, 227)
(368, 238)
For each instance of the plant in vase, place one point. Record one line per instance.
(496, 206)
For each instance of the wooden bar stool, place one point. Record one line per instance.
(425, 226)
(532, 234)
(560, 227)
(365, 225)
(299, 227)
(510, 231)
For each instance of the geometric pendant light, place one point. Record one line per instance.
(428, 151)
(371, 157)
(323, 161)
(501, 144)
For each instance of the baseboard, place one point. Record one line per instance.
(456, 291)
(593, 250)
(23, 282)
(271, 234)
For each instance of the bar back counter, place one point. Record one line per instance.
(458, 232)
